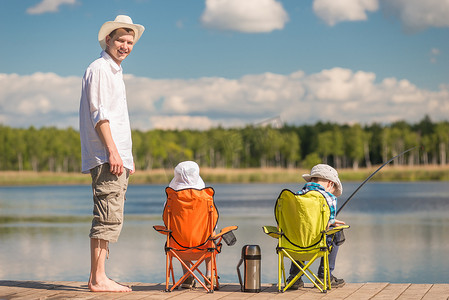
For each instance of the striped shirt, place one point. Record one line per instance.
(330, 198)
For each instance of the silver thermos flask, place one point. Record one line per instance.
(251, 257)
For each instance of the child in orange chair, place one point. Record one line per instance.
(186, 176)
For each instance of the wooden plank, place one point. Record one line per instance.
(226, 291)
(146, 291)
(391, 291)
(25, 289)
(141, 291)
(437, 291)
(343, 292)
(415, 292)
(268, 291)
(71, 290)
(53, 290)
(367, 291)
(273, 293)
(10, 289)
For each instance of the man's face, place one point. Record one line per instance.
(120, 45)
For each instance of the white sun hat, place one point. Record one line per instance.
(121, 21)
(326, 172)
(187, 175)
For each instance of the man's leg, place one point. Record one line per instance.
(98, 281)
(109, 197)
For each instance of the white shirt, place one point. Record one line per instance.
(103, 97)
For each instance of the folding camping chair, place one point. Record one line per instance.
(190, 217)
(301, 232)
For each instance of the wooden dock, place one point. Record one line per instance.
(10, 289)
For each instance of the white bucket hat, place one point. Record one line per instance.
(326, 172)
(187, 175)
(121, 21)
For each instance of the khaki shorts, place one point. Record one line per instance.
(109, 201)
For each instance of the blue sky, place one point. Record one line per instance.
(204, 63)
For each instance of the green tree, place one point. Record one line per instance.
(442, 137)
(354, 144)
(291, 153)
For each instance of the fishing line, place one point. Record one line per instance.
(369, 177)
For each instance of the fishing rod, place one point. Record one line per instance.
(369, 177)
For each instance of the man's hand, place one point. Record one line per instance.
(115, 161)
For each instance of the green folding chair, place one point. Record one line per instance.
(301, 232)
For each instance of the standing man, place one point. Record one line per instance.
(106, 146)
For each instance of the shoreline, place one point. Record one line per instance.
(222, 175)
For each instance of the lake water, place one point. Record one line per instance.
(399, 232)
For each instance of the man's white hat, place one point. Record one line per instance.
(326, 172)
(187, 175)
(121, 21)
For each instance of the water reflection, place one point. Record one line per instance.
(398, 233)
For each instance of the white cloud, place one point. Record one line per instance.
(335, 95)
(41, 99)
(434, 52)
(340, 85)
(250, 16)
(46, 6)
(179, 122)
(417, 15)
(180, 24)
(333, 12)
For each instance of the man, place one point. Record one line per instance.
(324, 179)
(106, 143)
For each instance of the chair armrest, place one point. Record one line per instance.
(333, 230)
(224, 231)
(272, 231)
(162, 229)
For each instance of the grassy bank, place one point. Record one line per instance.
(266, 175)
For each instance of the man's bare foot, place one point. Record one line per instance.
(108, 286)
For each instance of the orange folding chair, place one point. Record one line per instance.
(190, 217)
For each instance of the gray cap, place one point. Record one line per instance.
(326, 172)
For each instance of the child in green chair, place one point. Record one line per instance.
(324, 179)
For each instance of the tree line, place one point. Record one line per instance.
(290, 146)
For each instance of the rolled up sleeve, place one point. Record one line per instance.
(98, 92)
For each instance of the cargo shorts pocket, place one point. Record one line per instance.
(109, 195)
(108, 203)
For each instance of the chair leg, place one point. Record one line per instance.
(305, 269)
(281, 271)
(168, 270)
(327, 272)
(217, 284)
(190, 271)
(212, 274)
